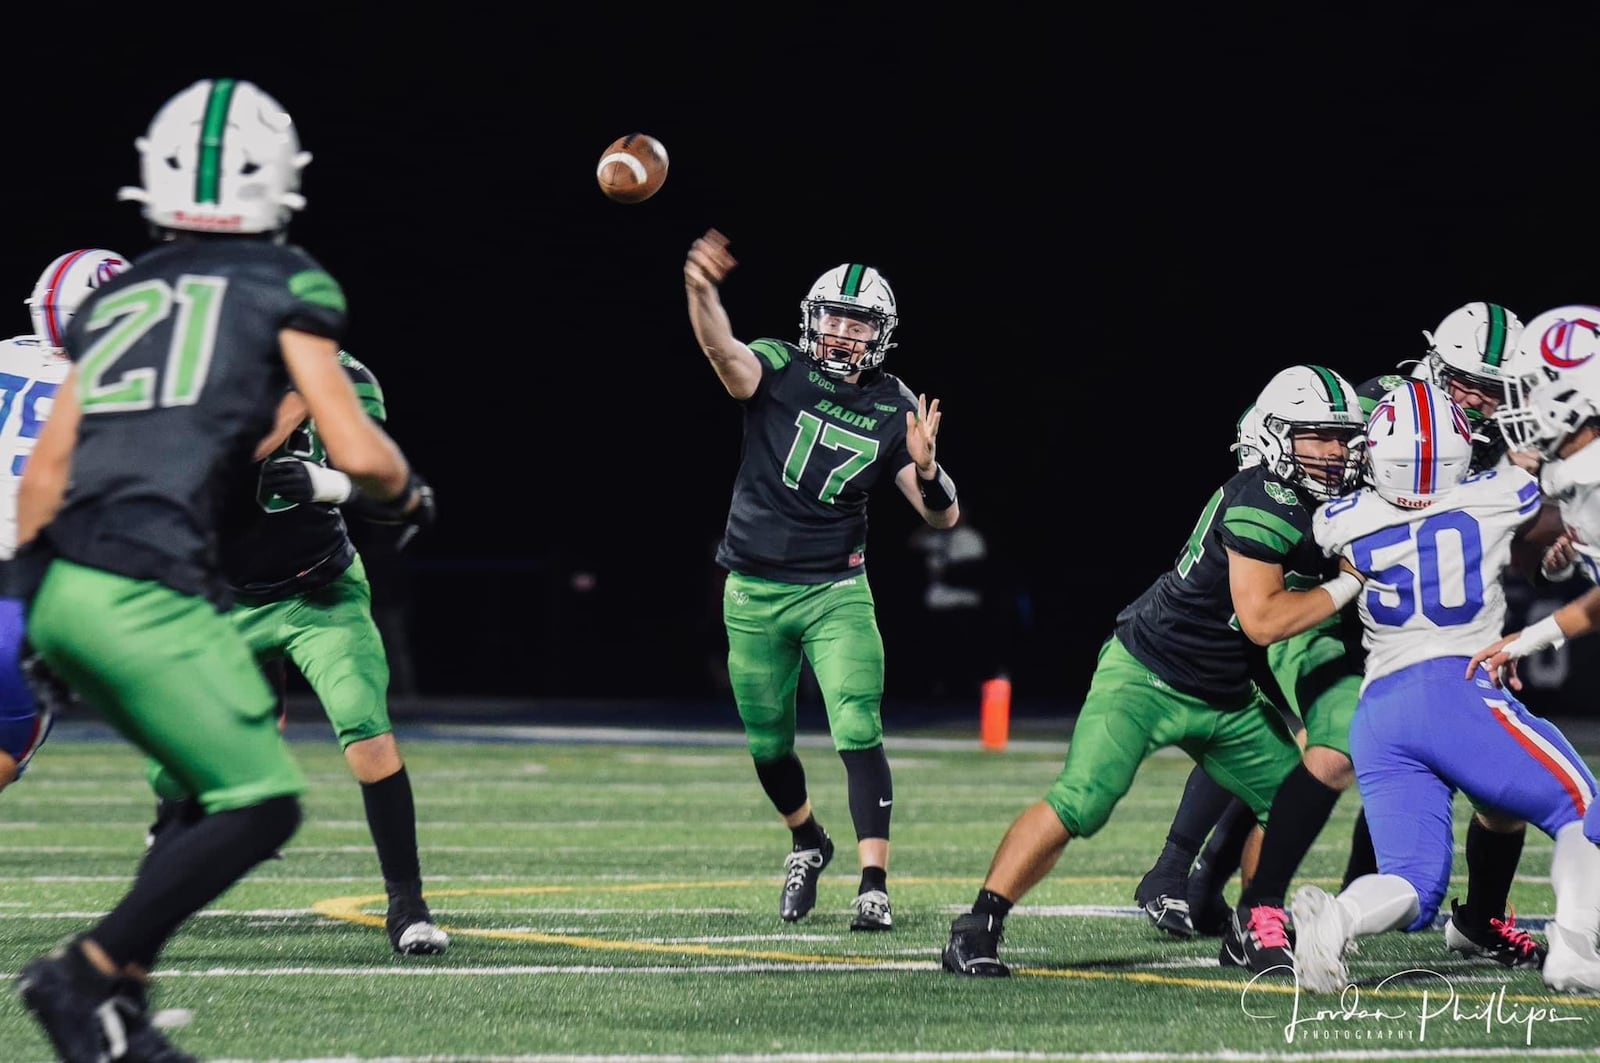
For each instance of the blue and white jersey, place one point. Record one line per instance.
(29, 377)
(1574, 485)
(1433, 575)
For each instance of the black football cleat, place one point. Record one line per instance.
(1258, 940)
(73, 1002)
(410, 924)
(974, 947)
(873, 911)
(146, 1044)
(801, 869)
(1500, 941)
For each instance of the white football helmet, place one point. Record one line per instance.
(1309, 398)
(1472, 345)
(1247, 434)
(63, 287)
(852, 291)
(1418, 445)
(221, 156)
(1552, 384)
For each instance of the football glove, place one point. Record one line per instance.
(418, 495)
(294, 480)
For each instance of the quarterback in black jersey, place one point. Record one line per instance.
(301, 595)
(823, 427)
(178, 366)
(1177, 669)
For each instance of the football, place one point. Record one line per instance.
(633, 168)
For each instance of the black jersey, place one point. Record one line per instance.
(1183, 627)
(179, 373)
(273, 548)
(814, 447)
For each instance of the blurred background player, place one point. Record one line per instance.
(178, 366)
(302, 596)
(1434, 541)
(823, 427)
(31, 369)
(1177, 669)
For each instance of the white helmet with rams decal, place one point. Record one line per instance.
(221, 156)
(1472, 346)
(1309, 399)
(1418, 445)
(1552, 387)
(64, 285)
(847, 318)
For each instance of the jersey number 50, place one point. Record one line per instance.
(1448, 549)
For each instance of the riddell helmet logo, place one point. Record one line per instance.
(1555, 346)
(214, 222)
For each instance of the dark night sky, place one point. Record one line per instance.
(1106, 231)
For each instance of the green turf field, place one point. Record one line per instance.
(620, 900)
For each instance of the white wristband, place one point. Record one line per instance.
(328, 485)
(1544, 634)
(1343, 589)
(1559, 575)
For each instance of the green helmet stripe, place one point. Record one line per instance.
(1494, 347)
(208, 172)
(1335, 393)
(852, 280)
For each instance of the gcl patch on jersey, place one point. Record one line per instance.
(1280, 494)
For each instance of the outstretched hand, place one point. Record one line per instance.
(922, 429)
(709, 262)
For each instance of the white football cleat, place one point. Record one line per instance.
(1319, 946)
(1572, 965)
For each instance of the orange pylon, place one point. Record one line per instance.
(995, 723)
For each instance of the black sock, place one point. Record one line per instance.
(808, 835)
(392, 819)
(1220, 858)
(1201, 806)
(1491, 866)
(1363, 858)
(991, 903)
(1300, 810)
(874, 878)
(191, 872)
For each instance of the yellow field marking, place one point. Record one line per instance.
(349, 910)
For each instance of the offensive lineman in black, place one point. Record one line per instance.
(1176, 669)
(302, 595)
(823, 426)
